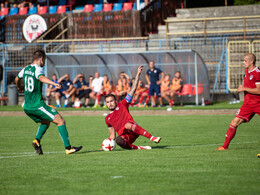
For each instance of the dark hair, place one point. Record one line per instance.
(110, 95)
(90, 76)
(39, 53)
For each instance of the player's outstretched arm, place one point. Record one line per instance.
(18, 83)
(112, 133)
(135, 84)
(44, 79)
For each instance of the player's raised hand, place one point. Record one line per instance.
(57, 85)
(139, 70)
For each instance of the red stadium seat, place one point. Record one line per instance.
(200, 89)
(127, 6)
(186, 90)
(42, 10)
(23, 11)
(107, 7)
(61, 9)
(4, 11)
(88, 8)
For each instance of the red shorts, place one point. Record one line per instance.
(129, 135)
(247, 112)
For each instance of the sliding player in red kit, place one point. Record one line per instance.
(120, 120)
(251, 104)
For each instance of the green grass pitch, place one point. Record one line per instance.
(184, 162)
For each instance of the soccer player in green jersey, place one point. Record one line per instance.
(34, 106)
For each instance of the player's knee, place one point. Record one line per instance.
(128, 125)
(45, 122)
(120, 141)
(236, 121)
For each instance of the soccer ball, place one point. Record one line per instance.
(108, 144)
(77, 104)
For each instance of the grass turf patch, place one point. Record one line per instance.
(184, 162)
(217, 105)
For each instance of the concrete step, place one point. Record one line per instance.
(222, 11)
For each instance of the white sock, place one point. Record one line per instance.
(66, 102)
(67, 96)
(58, 102)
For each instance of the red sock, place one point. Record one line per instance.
(147, 99)
(229, 135)
(128, 145)
(98, 98)
(141, 99)
(140, 131)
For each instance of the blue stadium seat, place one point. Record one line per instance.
(121, 1)
(53, 9)
(98, 7)
(134, 6)
(117, 7)
(32, 10)
(79, 8)
(13, 11)
(62, 2)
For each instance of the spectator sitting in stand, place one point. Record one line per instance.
(176, 86)
(67, 91)
(51, 90)
(41, 3)
(165, 88)
(83, 89)
(107, 88)
(96, 88)
(4, 3)
(123, 85)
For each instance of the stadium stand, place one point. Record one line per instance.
(32, 10)
(61, 9)
(23, 11)
(117, 7)
(88, 8)
(13, 11)
(107, 7)
(42, 10)
(121, 1)
(53, 9)
(4, 11)
(62, 2)
(127, 6)
(98, 7)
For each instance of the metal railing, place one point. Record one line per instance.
(203, 26)
(211, 50)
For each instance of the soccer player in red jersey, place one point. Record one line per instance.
(120, 120)
(251, 105)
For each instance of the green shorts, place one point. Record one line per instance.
(40, 113)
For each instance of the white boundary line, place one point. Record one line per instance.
(25, 154)
(199, 145)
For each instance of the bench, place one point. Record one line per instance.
(4, 99)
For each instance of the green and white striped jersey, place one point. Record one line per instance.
(32, 86)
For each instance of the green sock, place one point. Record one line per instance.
(41, 130)
(64, 135)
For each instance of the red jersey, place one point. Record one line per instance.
(119, 117)
(252, 78)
